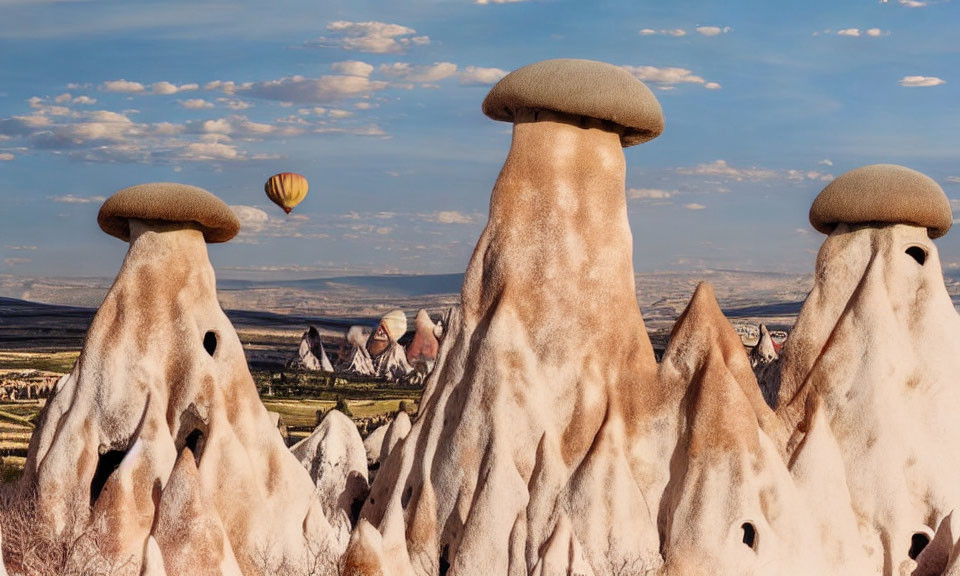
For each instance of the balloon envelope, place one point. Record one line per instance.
(286, 189)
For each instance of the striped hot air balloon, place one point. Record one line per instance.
(286, 189)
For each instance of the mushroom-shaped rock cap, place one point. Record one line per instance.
(580, 88)
(168, 202)
(882, 193)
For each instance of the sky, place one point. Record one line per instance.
(377, 104)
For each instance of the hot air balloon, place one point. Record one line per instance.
(286, 189)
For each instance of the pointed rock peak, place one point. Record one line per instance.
(765, 351)
(365, 555)
(714, 372)
(703, 328)
(705, 350)
(184, 470)
(423, 321)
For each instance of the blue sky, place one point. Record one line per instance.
(377, 103)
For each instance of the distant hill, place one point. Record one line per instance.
(388, 285)
(32, 325)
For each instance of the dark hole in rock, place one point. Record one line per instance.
(918, 254)
(444, 563)
(194, 442)
(405, 497)
(918, 542)
(210, 342)
(355, 507)
(749, 534)
(106, 464)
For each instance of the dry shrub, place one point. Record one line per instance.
(32, 548)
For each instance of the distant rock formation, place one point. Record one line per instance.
(311, 355)
(392, 326)
(392, 363)
(354, 358)
(766, 366)
(422, 350)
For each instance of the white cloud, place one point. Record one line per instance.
(713, 30)
(167, 88)
(675, 32)
(196, 104)
(252, 219)
(668, 77)
(234, 104)
(722, 169)
(18, 248)
(694, 206)
(420, 74)
(953, 179)
(448, 217)
(649, 194)
(256, 223)
(352, 68)
(211, 151)
(921, 81)
(826, 162)
(338, 113)
(124, 86)
(476, 75)
(228, 88)
(322, 89)
(107, 136)
(15, 261)
(857, 32)
(65, 98)
(913, 3)
(237, 126)
(71, 199)
(375, 37)
(499, 1)
(370, 130)
(6, 157)
(799, 175)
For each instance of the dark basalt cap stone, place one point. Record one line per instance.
(580, 88)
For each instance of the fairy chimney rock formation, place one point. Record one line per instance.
(527, 417)
(392, 326)
(423, 348)
(311, 355)
(162, 374)
(731, 506)
(877, 340)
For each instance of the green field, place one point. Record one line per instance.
(297, 397)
